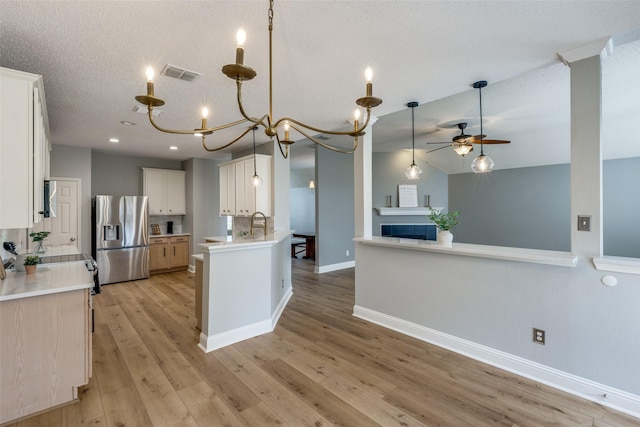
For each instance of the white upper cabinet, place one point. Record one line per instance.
(238, 197)
(24, 148)
(166, 191)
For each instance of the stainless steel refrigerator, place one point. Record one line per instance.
(121, 238)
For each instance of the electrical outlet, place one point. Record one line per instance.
(347, 252)
(584, 222)
(538, 336)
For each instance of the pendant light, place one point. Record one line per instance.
(482, 163)
(256, 181)
(414, 171)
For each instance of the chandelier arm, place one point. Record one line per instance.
(355, 132)
(284, 155)
(204, 145)
(241, 107)
(194, 131)
(329, 147)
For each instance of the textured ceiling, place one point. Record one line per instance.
(92, 55)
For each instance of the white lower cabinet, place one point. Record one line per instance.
(24, 148)
(238, 197)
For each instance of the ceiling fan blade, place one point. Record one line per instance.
(476, 140)
(439, 148)
(438, 143)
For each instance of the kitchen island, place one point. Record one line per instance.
(45, 338)
(246, 284)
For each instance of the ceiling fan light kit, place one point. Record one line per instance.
(240, 72)
(414, 171)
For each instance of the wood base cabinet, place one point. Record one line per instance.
(45, 351)
(168, 254)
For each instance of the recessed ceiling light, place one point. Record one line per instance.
(114, 140)
(173, 147)
(127, 123)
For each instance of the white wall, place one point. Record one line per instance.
(75, 162)
(303, 201)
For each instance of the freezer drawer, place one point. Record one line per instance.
(121, 265)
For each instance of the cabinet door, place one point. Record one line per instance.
(262, 194)
(176, 194)
(38, 158)
(180, 253)
(154, 186)
(227, 190)
(158, 254)
(16, 153)
(243, 203)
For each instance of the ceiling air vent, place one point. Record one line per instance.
(179, 73)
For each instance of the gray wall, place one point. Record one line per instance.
(621, 207)
(388, 172)
(119, 175)
(303, 200)
(203, 201)
(334, 208)
(524, 207)
(75, 162)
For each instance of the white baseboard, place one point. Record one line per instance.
(214, 342)
(275, 316)
(192, 268)
(334, 267)
(607, 396)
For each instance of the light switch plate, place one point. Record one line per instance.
(584, 222)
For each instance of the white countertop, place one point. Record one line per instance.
(49, 279)
(564, 259)
(227, 243)
(169, 235)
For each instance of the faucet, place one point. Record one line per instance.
(264, 224)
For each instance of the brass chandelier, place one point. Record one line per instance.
(240, 72)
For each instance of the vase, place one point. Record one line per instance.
(30, 269)
(445, 238)
(40, 248)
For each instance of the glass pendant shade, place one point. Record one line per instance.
(256, 181)
(413, 172)
(482, 164)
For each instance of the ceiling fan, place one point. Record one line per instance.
(462, 143)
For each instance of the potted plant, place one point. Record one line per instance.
(38, 238)
(445, 222)
(30, 263)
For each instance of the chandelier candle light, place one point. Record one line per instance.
(240, 72)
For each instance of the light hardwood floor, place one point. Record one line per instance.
(320, 367)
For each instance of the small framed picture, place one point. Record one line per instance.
(407, 196)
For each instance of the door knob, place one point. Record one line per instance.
(73, 239)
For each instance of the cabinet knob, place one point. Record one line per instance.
(73, 239)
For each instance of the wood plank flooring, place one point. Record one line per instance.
(320, 367)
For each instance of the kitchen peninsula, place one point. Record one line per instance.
(246, 284)
(45, 351)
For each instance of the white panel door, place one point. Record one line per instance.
(65, 227)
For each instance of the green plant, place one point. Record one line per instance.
(444, 221)
(39, 235)
(31, 259)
